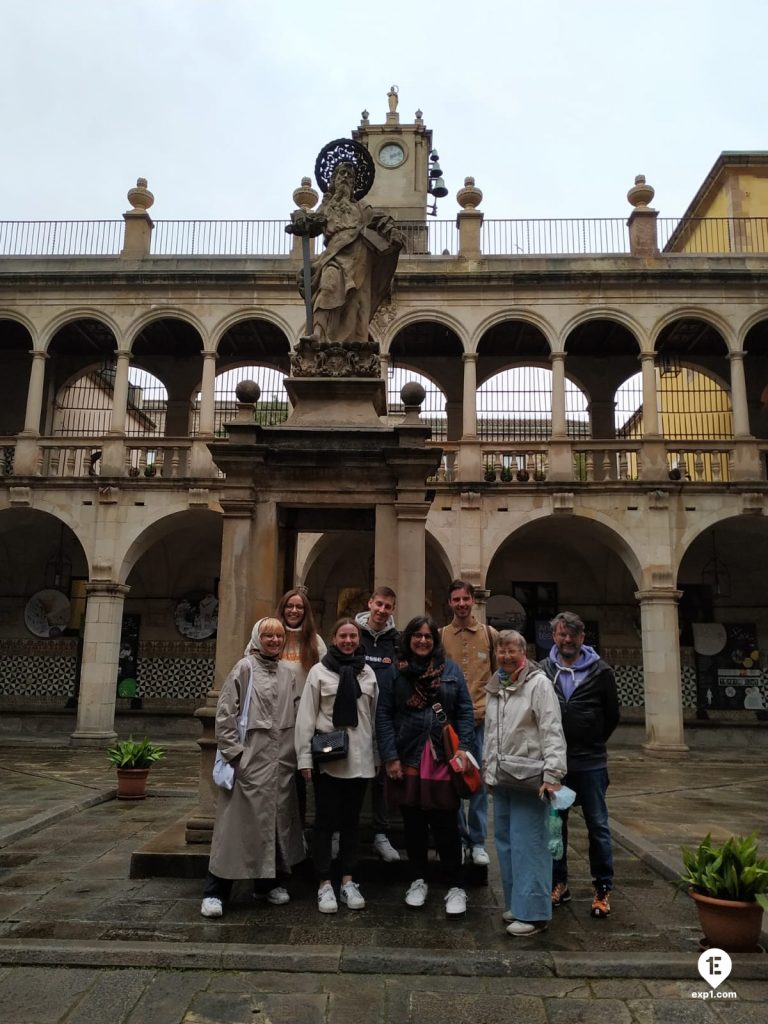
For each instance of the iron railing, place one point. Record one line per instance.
(570, 237)
(718, 235)
(597, 236)
(61, 237)
(221, 238)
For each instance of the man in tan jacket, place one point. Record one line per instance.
(470, 644)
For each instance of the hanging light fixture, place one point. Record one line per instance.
(58, 568)
(715, 573)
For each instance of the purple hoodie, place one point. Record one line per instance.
(571, 676)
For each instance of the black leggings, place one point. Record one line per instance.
(445, 829)
(338, 803)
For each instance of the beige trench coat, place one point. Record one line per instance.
(257, 829)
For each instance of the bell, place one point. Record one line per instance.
(438, 190)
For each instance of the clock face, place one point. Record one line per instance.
(391, 155)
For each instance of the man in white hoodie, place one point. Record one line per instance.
(589, 706)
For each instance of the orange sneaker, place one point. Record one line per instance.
(601, 906)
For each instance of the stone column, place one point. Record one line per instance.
(201, 463)
(650, 401)
(559, 426)
(470, 455)
(385, 559)
(27, 456)
(739, 405)
(661, 672)
(98, 673)
(120, 393)
(231, 635)
(411, 558)
(35, 394)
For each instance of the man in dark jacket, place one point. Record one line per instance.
(589, 704)
(379, 638)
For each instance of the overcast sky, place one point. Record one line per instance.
(552, 105)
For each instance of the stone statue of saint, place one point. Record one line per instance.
(353, 275)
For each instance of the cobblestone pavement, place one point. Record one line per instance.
(81, 941)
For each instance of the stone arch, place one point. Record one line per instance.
(432, 348)
(708, 317)
(73, 316)
(155, 316)
(426, 315)
(163, 529)
(606, 315)
(17, 343)
(525, 316)
(256, 313)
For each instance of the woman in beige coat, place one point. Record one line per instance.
(257, 833)
(340, 693)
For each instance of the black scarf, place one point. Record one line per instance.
(424, 675)
(347, 667)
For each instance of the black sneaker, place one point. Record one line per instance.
(560, 894)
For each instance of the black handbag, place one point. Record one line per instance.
(330, 746)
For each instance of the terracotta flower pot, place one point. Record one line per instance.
(132, 783)
(732, 925)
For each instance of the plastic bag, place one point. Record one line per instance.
(555, 833)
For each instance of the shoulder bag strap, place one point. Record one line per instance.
(242, 722)
(491, 650)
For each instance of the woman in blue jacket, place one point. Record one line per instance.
(406, 718)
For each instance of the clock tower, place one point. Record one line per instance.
(400, 154)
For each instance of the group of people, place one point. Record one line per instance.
(378, 700)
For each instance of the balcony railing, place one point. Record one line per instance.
(599, 236)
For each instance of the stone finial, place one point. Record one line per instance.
(305, 196)
(248, 392)
(412, 393)
(419, 115)
(364, 117)
(140, 197)
(640, 194)
(469, 197)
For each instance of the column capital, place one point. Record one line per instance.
(238, 508)
(469, 357)
(206, 353)
(666, 595)
(644, 357)
(557, 356)
(123, 353)
(37, 354)
(106, 588)
(736, 357)
(416, 511)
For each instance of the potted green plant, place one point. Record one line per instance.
(489, 473)
(506, 475)
(133, 759)
(729, 884)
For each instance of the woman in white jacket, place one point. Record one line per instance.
(340, 693)
(522, 718)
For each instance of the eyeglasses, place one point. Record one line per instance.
(422, 638)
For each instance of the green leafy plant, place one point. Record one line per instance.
(731, 871)
(133, 753)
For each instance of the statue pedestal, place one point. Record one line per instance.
(336, 401)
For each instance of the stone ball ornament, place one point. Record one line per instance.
(412, 393)
(345, 151)
(248, 392)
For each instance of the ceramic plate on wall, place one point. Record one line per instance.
(197, 617)
(47, 613)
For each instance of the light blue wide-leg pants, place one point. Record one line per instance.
(521, 835)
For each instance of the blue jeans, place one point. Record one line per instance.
(474, 824)
(525, 863)
(590, 787)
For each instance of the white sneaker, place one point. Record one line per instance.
(211, 907)
(455, 903)
(479, 857)
(326, 900)
(522, 928)
(508, 917)
(384, 848)
(334, 846)
(417, 893)
(278, 895)
(351, 895)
